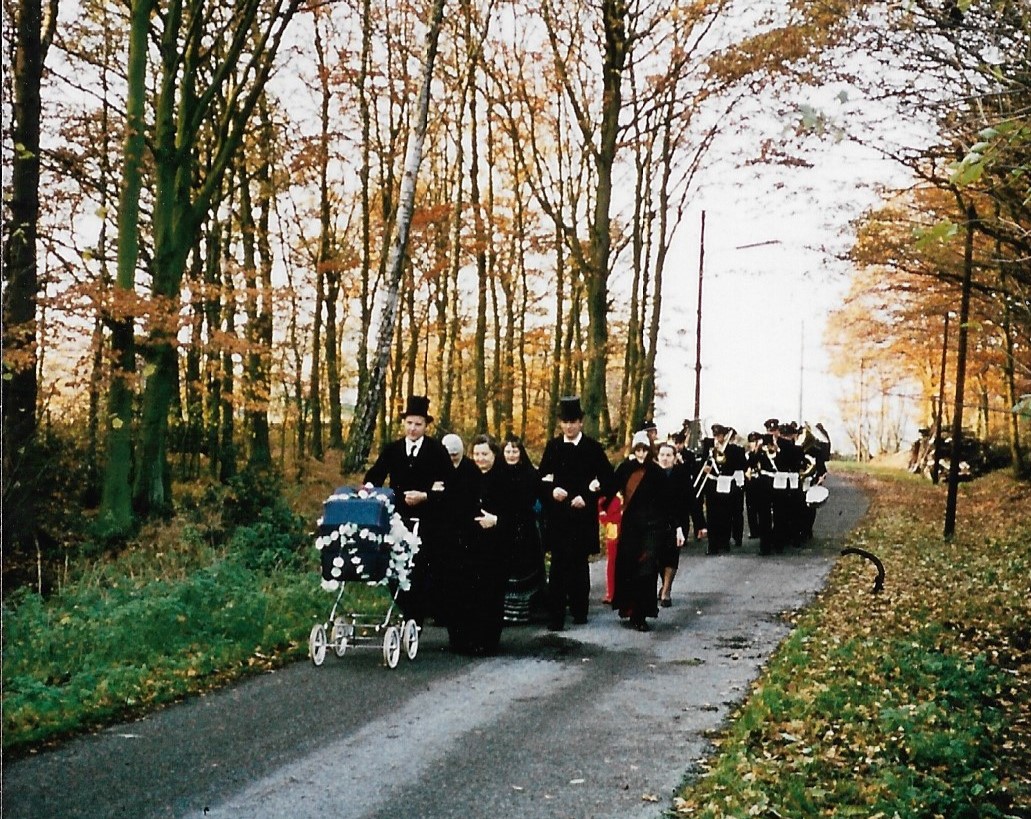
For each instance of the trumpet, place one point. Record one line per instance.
(714, 465)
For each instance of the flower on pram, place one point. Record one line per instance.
(365, 539)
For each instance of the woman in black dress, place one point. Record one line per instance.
(518, 482)
(682, 497)
(479, 582)
(648, 528)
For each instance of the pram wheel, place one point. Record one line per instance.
(391, 647)
(410, 638)
(342, 631)
(317, 644)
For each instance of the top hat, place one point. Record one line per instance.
(646, 425)
(418, 405)
(771, 424)
(569, 408)
(719, 429)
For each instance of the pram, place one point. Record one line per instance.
(362, 539)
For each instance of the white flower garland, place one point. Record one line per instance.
(404, 545)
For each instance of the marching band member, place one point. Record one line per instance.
(722, 484)
(763, 492)
(816, 449)
(753, 488)
(788, 529)
(687, 461)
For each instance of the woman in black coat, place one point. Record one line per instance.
(648, 528)
(482, 517)
(518, 481)
(682, 510)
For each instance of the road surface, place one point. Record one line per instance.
(596, 721)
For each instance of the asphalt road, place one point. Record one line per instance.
(595, 721)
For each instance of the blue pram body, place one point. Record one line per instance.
(361, 538)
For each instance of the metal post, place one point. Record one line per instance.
(698, 327)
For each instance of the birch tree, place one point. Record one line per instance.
(360, 437)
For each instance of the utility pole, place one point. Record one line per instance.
(801, 372)
(696, 424)
(859, 436)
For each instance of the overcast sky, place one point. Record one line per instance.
(764, 307)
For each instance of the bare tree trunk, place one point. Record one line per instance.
(213, 320)
(227, 427)
(193, 443)
(116, 502)
(360, 438)
(365, 293)
(260, 363)
(315, 381)
(328, 263)
(961, 374)
(614, 14)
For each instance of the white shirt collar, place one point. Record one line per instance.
(412, 447)
(575, 441)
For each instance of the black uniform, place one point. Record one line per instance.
(817, 473)
(572, 535)
(788, 500)
(686, 471)
(755, 492)
(723, 496)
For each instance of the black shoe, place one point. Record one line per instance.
(665, 602)
(580, 621)
(641, 625)
(556, 627)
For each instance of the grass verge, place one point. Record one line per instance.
(189, 606)
(912, 702)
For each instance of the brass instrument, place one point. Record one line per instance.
(703, 476)
(813, 444)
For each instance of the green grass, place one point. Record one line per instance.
(168, 616)
(914, 702)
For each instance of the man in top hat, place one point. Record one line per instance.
(575, 473)
(724, 471)
(417, 468)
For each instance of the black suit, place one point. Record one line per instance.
(572, 535)
(427, 472)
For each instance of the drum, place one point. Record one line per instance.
(816, 495)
